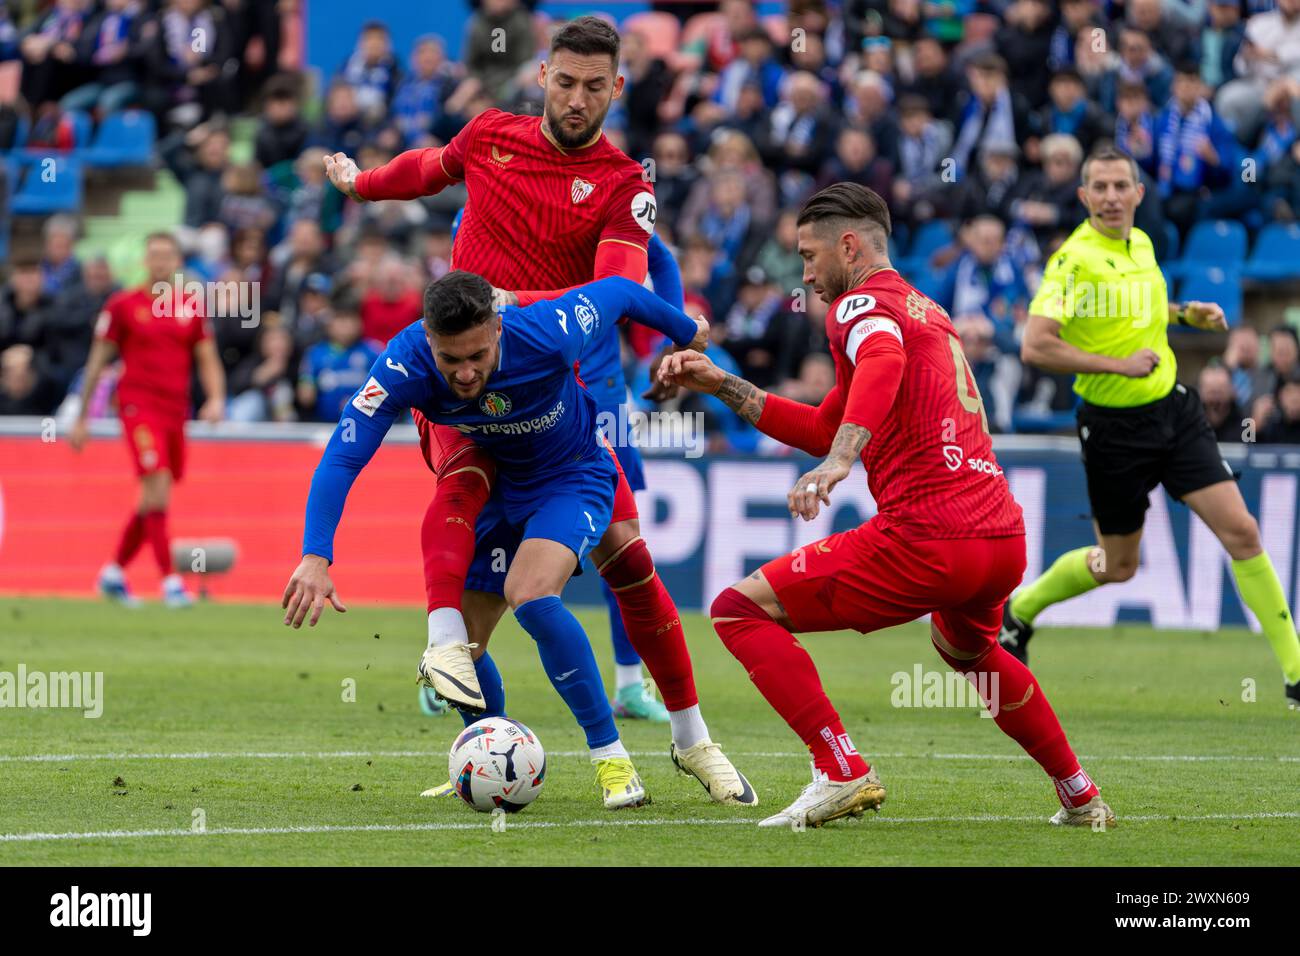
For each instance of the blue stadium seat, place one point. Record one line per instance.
(1220, 242)
(124, 139)
(1215, 284)
(1276, 256)
(49, 184)
(81, 128)
(930, 237)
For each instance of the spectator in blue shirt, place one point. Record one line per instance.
(372, 70)
(334, 369)
(418, 103)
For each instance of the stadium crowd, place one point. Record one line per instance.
(975, 116)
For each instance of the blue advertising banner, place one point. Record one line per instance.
(709, 521)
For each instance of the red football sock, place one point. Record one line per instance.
(786, 676)
(1024, 715)
(132, 538)
(653, 625)
(155, 529)
(447, 533)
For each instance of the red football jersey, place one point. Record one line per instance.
(157, 349)
(536, 212)
(930, 466)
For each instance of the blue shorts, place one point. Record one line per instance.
(575, 511)
(629, 455)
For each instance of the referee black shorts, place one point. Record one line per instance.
(1128, 451)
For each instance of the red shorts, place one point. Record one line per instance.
(442, 445)
(156, 443)
(868, 578)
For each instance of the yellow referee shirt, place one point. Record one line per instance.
(1109, 296)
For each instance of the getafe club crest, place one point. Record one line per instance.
(495, 404)
(580, 190)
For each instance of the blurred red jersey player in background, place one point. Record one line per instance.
(159, 333)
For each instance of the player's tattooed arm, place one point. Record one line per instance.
(744, 398)
(813, 489)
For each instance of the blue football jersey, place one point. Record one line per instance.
(533, 416)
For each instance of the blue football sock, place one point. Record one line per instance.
(493, 688)
(570, 664)
(624, 652)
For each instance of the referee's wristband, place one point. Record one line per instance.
(1180, 315)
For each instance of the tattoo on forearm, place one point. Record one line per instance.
(742, 397)
(849, 442)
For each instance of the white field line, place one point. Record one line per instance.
(427, 754)
(576, 824)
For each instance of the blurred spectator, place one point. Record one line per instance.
(343, 129)
(498, 41)
(1283, 425)
(867, 107)
(1270, 54)
(334, 369)
(1172, 36)
(49, 53)
(799, 135)
(730, 226)
(857, 161)
(392, 303)
(1135, 126)
(992, 185)
(1276, 157)
(372, 71)
(1071, 112)
(1076, 15)
(418, 103)
(810, 57)
(992, 114)
(1241, 359)
(1024, 42)
(21, 389)
(261, 386)
(1138, 62)
(59, 267)
(719, 47)
(674, 176)
(779, 257)
(301, 254)
(765, 338)
(985, 280)
(1196, 156)
(978, 336)
(732, 152)
(199, 167)
(312, 315)
(1283, 358)
(815, 379)
(245, 205)
(1221, 406)
(922, 146)
(755, 65)
(282, 132)
(1220, 42)
(1048, 201)
(63, 335)
(933, 80)
(109, 51)
(189, 62)
(23, 303)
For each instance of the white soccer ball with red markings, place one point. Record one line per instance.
(497, 763)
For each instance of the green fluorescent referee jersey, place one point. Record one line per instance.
(1109, 296)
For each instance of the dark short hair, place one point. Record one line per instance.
(1188, 67)
(1285, 330)
(990, 62)
(457, 302)
(850, 202)
(911, 103)
(1105, 153)
(1068, 73)
(586, 36)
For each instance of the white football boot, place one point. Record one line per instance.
(707, 764)
(449, 670)
(174, 594)
(1095, 813)
(823, 801)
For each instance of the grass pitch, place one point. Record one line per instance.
(220, 716)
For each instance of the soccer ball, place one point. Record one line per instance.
(497, 763)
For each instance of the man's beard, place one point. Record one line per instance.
(570, 139)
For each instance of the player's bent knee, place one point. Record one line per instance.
(629, 565)
(730, 604)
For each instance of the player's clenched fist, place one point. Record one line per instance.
(308, 590)
(692, 370)
(342, 172)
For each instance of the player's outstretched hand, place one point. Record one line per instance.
(342, 172)
(814, 489)
(701, 340)
(1207, 315)
(308, 590)
(1140, 364)
(692, 370)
